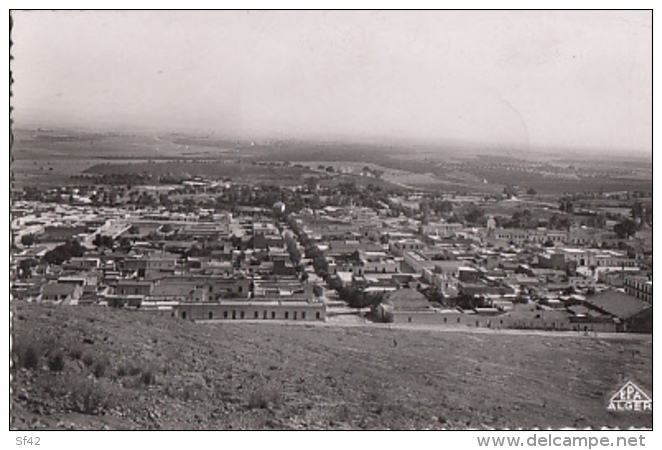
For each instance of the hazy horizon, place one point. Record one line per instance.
(538, 81)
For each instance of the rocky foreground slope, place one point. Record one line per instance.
(96, 368)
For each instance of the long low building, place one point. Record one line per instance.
(251, 310)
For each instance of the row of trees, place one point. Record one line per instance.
(525, 219)
(103, 241)
(358, 298)
(463, 300)
(64, 252)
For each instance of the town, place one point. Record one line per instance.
(330, 220)
(338, 246)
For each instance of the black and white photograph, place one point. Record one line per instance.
(332, 220)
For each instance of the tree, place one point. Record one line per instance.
(153, 236)
(566, 205)
(559, 222)
(522, 219)
(28, 240)
(388, 317)
(441, 207)
(103, 241)
(357, 298)
(64, 252)
(25, 267)
(164, 199)
(321, 265)
(509, 191)
(468, 301)
(641, 214)
(475, 215)
(597, 221)
(625, 229)
(434, 295)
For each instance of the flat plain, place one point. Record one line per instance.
(52, 157)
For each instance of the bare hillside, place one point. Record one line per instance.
(93, 368)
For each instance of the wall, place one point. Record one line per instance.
(455, 319)
(218, 311)
(448, 319)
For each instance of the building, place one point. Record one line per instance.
(67, 293)
(401, 304)
(519, 236)
(133, 287)
(531, 318)
(83, 263)
(419, 263)
(639, 287)
(151, 266)
(399, 248)
(179, 291)
(377, 262)
(441, 229)
(252, 310)
(228, 287)
(632, 314)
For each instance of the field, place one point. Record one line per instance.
(50, 157)
(93, 368)
(240, 172)
(560, 184)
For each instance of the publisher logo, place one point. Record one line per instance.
(630, 398)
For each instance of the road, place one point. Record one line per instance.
(355, 321)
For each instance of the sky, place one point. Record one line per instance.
(520, 79)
